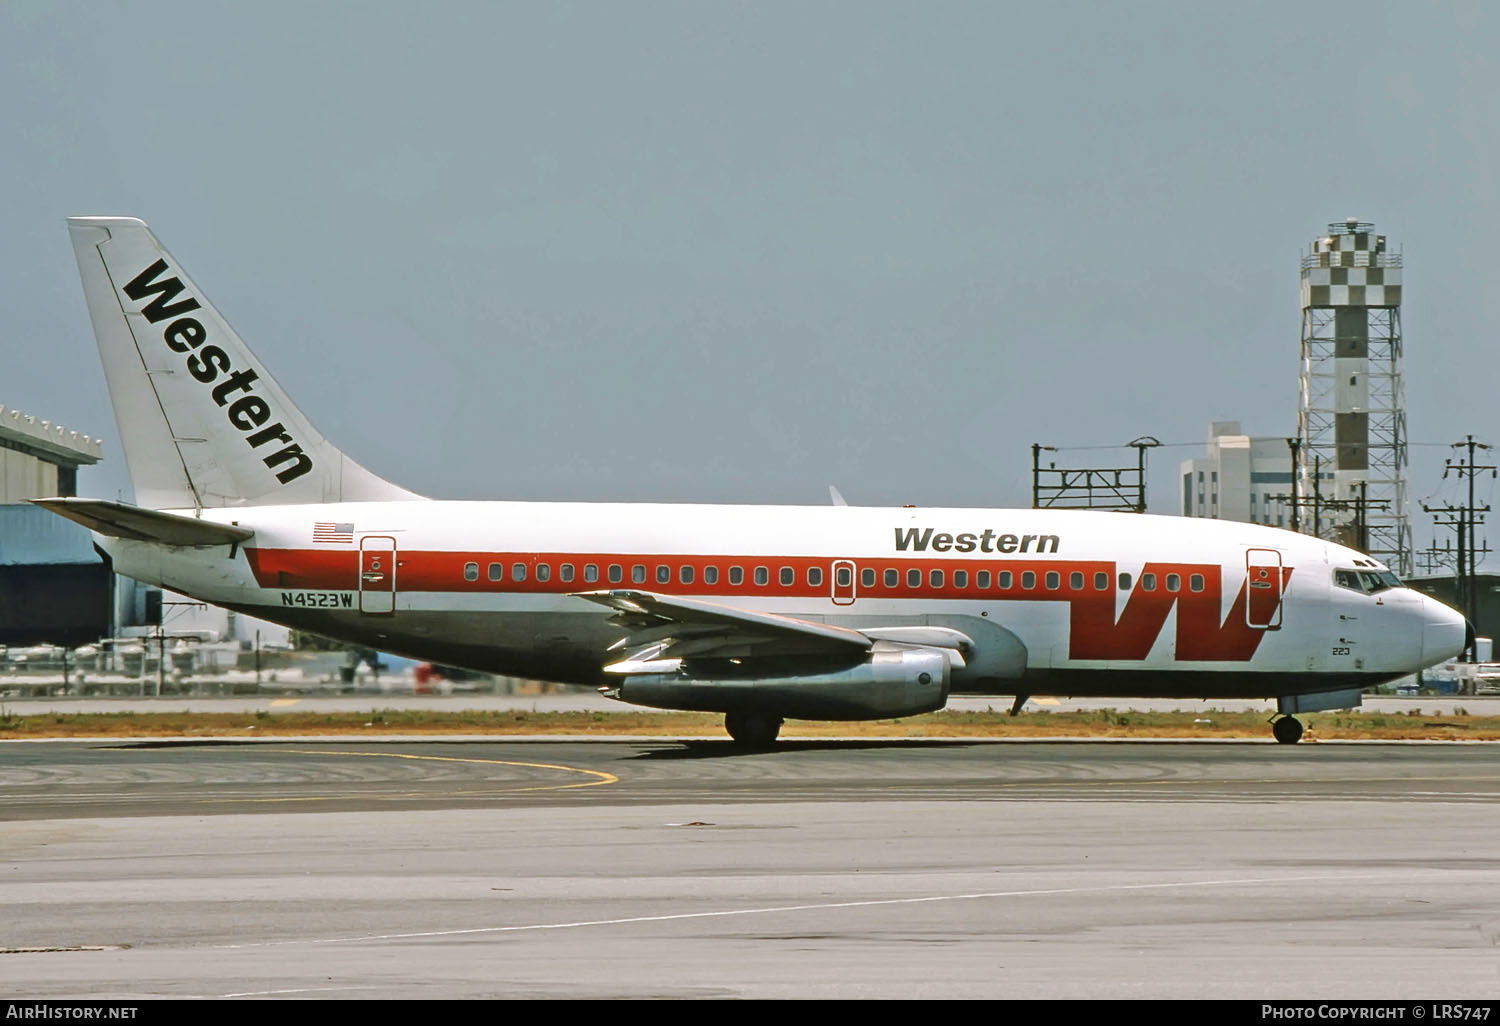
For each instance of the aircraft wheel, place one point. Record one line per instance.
(752, 730)
(1287, 730)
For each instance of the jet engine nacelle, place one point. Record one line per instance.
(894, 680)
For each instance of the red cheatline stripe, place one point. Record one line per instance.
(1098, 629)
(445, 572)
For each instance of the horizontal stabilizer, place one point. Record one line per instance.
(119, 520)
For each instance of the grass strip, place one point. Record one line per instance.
(1103, 723)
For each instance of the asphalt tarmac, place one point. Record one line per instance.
(515, 869)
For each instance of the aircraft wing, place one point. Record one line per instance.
(660, 629)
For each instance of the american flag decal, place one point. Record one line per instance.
(333, 532)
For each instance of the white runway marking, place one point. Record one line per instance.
(868, 903)
(296, 990)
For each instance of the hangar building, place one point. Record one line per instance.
(54, 588)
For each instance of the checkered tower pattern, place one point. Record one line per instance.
(1352, 417)
(1351, 270)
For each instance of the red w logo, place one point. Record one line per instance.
(1094, 633)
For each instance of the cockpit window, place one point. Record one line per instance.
(1379, 580)
(1367, 581)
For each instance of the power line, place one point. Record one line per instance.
(1104, 488)
(1463, 519)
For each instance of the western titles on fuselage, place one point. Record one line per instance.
(918, 540)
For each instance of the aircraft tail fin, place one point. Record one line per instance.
(202, 423)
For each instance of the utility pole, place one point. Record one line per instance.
(1122, 489)
(1295, 444)
(1036, 472)
(1361, 522)
(1432, 559)
(1317, 495)
(1360, 507)
(1464, 519)
(1140, 445)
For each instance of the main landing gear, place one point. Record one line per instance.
(752, 730)
(1287, 730)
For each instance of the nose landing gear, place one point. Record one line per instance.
(1287, 729)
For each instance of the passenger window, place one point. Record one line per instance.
(762, 576)
(867, 578)
(591, 572)
(497, 572)
(1004, 580)
(518, 571)
(710, 575)
(565, 573)
(1148, 582)
(685, 575)
(1053, 580)
(1028, 580)
(544, 571)
(616, 573)
(736, 576)
(913, 578)
(982, 579)
(1196, 582)
(815, 576)
(935, 578)
(663, 574)
(844, 577)
(1101, 582)
(788, 576)
(1124, 582)
(638, 573)
(960, 578)
(892, 577)
(1173, 582)
(471, 571)
(1075, 581)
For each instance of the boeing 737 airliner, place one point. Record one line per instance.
(758, 612)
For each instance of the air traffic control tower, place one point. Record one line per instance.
(1351, 417)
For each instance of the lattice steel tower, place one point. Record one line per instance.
(1351, 418)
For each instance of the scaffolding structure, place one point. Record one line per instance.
(1122, 489)
(1351, 416)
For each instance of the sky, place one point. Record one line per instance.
(714, 252)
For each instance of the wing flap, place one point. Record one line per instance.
(661, 627)
(662, 631)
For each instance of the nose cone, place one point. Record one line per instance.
(1445, 632)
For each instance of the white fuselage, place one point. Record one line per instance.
(1071, 602)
